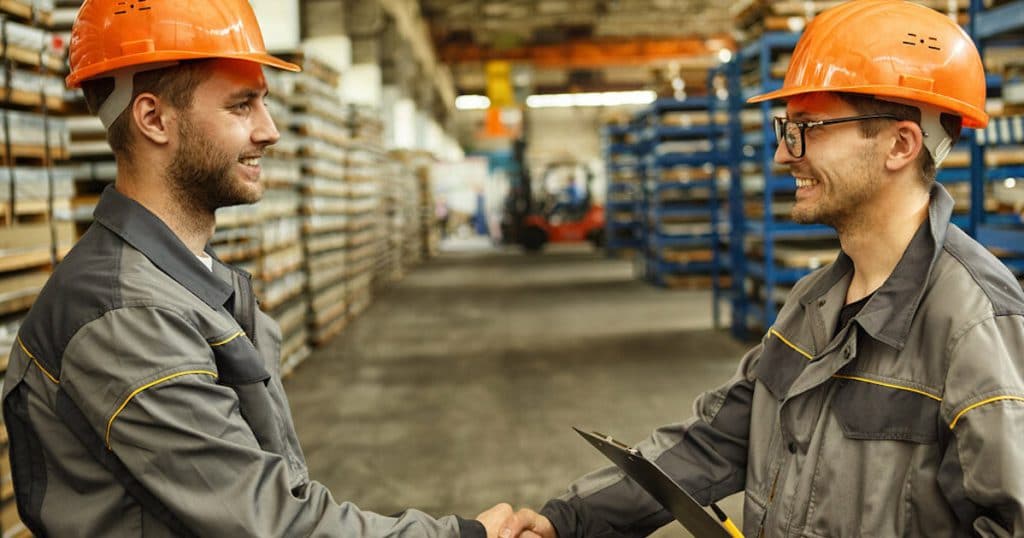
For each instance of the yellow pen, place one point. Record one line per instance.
(730, 527)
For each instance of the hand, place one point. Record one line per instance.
(493, 517)
(527, 524)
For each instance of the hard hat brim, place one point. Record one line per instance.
(972, 117)
(98, 70)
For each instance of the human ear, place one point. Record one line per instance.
(150, 117)
(906, 145)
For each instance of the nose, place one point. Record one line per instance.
(782, 155)
(264, 131)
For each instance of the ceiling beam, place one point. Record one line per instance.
(584, 53)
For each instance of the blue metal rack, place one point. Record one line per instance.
(719, 80)
(751, 309)
(622, 207)
(681, 200)
(1003, 232)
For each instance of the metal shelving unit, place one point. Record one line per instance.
(679, 147)
(622, 201)
(997, 153)
(761, 229)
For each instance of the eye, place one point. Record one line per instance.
(244, 106)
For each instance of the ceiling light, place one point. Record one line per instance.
(565, 100)
(472, 102)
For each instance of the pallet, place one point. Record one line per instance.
(326, 298)
(319, 280)
(31, 57)
(325, 243)
(327, 333)
(327, 261)
(323, 133)
(38, 154)
(313, 67)
(314, 225)
(32, 210)
(28, 245)
(26, 12)
(235, 252)
(685, 174)
(19, 291)
(290, 362)
(994, 157)
(687, 256)
(693, 282)
(56, 105)
(271, 296)
(293, 317)
(280, 263)
(812, 255)
(294, 354)
(691, 119)
(357, 307)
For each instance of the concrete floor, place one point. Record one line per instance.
(458, 387)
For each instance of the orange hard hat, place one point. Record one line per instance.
(890, 49)
(113, 35)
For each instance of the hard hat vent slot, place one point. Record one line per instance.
(914, 40)
(124, 7)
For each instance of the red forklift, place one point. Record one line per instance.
(566, 217)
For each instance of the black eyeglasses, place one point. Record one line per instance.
(792, 132)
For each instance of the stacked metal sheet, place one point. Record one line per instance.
(430, 229)
(364, 158)
(35, 187)
(422, 236)
(389, 260)
(320, 123)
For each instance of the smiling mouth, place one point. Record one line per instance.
(250, 161)
(802, 182)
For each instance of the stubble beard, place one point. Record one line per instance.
(841, 205)
(201, 176)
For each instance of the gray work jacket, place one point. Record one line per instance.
(143, 398)
(909, 421)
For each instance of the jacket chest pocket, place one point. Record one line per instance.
(870, 410)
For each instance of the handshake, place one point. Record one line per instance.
(502, 522)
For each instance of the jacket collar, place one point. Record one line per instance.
(144, 231)
(887, 315)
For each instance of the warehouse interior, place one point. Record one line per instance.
(488, 221)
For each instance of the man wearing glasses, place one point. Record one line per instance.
(888, 398)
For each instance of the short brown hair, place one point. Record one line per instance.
(176, 84)
(866, 104)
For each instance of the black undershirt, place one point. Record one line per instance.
(849, 311)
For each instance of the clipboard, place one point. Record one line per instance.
(659, 485)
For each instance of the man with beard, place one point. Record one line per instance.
(143, 395)
(888, 398)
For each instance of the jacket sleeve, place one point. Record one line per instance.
(144, 379)
(707, 455)
(983, 405)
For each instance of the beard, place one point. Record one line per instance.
(201, 175)
(840, 205)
